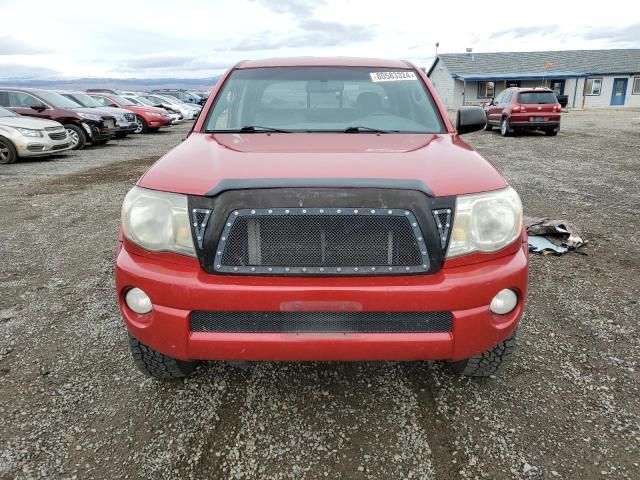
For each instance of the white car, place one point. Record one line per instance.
(175, 116)
(22, 137)
(188, 110)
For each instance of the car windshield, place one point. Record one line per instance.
(84, 100)
(169, 99)
(7, 113)
(145, 101)
(57, 100)
(121, 100)
(324, 99)
(538, 97)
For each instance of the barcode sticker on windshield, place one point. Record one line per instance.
(392, 76)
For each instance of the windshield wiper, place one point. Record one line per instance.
(258, 128)
(357, 129)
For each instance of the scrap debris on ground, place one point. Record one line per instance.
(547, 236)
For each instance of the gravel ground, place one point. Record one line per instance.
(73, 406)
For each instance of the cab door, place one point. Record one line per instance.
(493, 110)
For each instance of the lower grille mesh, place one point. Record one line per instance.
(300, 322)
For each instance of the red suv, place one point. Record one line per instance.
(524, 109)
(147, 118)
(323, 209)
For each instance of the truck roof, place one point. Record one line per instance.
(323, 62)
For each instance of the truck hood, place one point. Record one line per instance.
(444, 163)
(28, 122)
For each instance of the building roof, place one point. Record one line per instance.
(324, 62)
(569, 62)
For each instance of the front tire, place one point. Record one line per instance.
(8, 153)
(141, 125)
(157, 365)
(488, 363)
(76, 135)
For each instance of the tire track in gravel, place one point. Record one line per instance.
(442, 438)
(331, 420)
(218, 446)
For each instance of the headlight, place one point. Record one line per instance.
(485, 222)
(157, 221)
(90, 116)
(28, 132)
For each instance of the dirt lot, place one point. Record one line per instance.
(73, 406)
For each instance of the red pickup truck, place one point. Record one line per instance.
(323, 209)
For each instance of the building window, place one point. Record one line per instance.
(593, 86)
(636, 86)
(486, 89)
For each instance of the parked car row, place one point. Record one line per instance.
(39, 122)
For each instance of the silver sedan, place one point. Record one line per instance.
(30, 137)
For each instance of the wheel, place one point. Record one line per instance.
(8, 152)
(141, 125)
(100, 142)
(551, 133)
(488, 363)
(157, 365)
(76, 135)
(488, 127)
(504, 127)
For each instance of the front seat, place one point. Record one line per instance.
(369, 103)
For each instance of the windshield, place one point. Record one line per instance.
(537, 98)
(122, 101)
(6, 113)
(325, 99)
(169, 99)
(57, 100)
(145, 101)
(84, 100)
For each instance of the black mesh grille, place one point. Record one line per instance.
(298, 322)
(443, 223)
(322, 241)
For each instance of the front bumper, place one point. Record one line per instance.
(177, 289)
(97, 131)
(38, 147)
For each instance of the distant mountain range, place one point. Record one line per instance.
(134, 84)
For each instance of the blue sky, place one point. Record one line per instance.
(198, 38)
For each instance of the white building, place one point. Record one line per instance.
(589, 78)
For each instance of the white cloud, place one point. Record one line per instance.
(200, 38)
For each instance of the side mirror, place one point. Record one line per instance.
(38, 107)
(470, 119)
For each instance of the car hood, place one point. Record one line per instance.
(28, 122)
(443, 163)
(110, 110)
(147, 109)
(94, 111)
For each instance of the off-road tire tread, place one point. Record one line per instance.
(157, 365)
(488, 363)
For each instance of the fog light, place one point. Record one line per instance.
(505, 301)
(138, 301)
